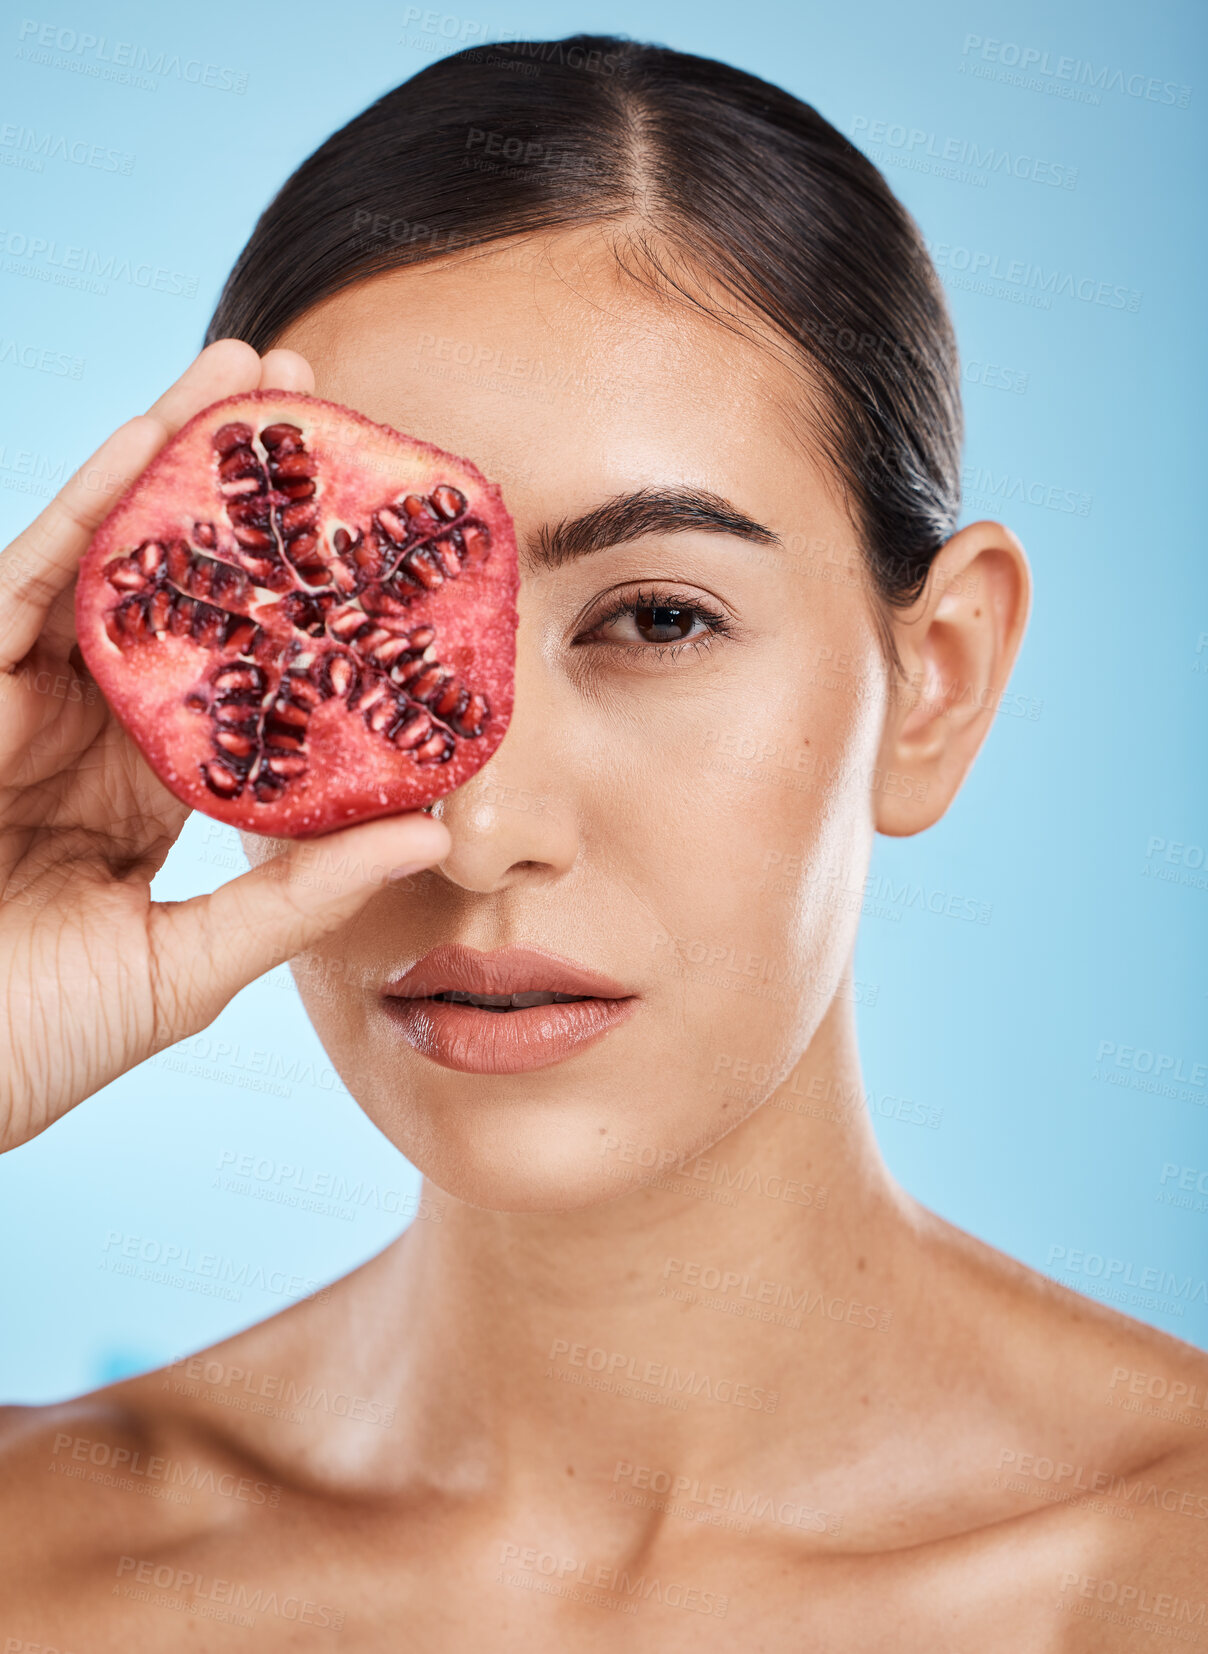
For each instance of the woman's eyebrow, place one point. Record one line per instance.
(647, 511)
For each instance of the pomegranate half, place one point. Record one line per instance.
(303, 618)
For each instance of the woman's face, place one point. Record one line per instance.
(682, 801)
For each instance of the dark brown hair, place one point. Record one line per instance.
(727, 173)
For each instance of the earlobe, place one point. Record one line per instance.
(957, 646)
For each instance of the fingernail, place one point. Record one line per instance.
(406, 870)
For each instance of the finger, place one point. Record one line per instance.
(40, 563)
(286, 370)
(208, 948)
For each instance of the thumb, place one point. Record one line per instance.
(207, 948)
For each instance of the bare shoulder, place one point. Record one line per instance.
(1105, 1376)
(132, 1464)
(207, 1440)
(1095, 1445)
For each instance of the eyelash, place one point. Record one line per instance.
(719, 624)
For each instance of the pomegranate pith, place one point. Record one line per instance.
(304, 619)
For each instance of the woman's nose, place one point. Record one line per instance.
(517, 818)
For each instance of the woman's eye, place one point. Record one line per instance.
(643, 624)
(655, 623)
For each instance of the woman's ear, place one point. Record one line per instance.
(957, 645)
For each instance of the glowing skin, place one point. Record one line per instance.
(646, 838)
(696, 825)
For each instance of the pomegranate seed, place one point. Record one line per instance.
(126, 575)
(385, 654)
(477, 542)
(159, 610)
(253, 539)
(239, 680)
(222, 780)
(232, 436)
(241, 635)
(200, 576)
(343, 675)
(298, 516)
(301, 690)
(274, 436)
(238, 464)
(284, 740)
(449, 501)
(413, 729)
(393, 524)
(437, 749)
(230, 583)
(423, 570)
(451, 698)
(410, 668)
(285, 712)
(428, 682)
(473, 720)
(236, 715)
(446, 557)
(384, 715)
(347, 624)
(209, 626)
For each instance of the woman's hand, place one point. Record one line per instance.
(94, 975)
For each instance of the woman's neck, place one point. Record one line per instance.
(753, 1293)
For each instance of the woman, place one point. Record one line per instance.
(667, 1344)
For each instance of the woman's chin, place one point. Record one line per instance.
(525, 1158)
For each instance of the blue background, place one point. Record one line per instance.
(982, 1041)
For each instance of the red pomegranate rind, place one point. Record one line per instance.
(303, 618)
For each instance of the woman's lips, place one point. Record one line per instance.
(485, 1039)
